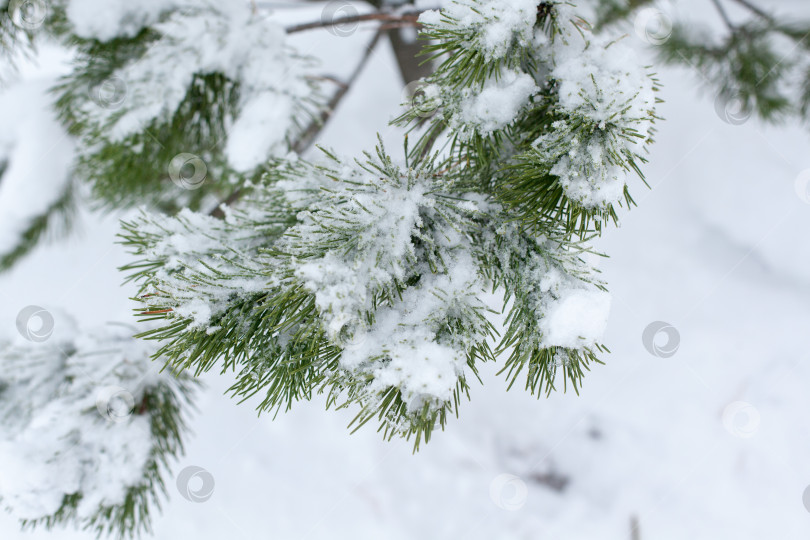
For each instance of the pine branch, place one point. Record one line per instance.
(55, 221)
(90, 395)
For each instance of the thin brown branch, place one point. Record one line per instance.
(410, 18)
(755, 10)
(308, 135)
(723, 15)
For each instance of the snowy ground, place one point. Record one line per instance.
(708, 443)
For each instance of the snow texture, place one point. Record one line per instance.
(106, 20)
(601, 81)
(376, 256)
(577, 319)
(496, 105)
(187, 242)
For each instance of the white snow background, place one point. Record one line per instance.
(710, 443)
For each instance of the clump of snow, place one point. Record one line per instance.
(421, 366)
(260, 129)
(604, 82)
(560, 302)
(387, 218)
(116, 18)
(586, 164)
(577, 319)
(37, 153)
(602, 86)
(499, 25)
(497, 104)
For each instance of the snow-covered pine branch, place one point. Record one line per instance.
(553, 115)
(233, 96)
(369, 281)
(89, 427)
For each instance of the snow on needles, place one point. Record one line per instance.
(498, 25)
(70, 427)
(370, 237)
(115, 18)
(607, 100)
(497, 104)
(603, 99)
(248, 49)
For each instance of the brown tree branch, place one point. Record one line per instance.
(410, 18)
(754, 9)
(723, 15)
(308, 135)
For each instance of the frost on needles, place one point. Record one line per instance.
(379, 283)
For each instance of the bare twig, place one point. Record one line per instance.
(722, 11)
(755, 10)
(409, 18)
(307, 137)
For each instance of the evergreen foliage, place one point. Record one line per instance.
(759, 66)
(89, 429)
(367, 280)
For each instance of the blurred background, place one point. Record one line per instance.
(700, 432)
